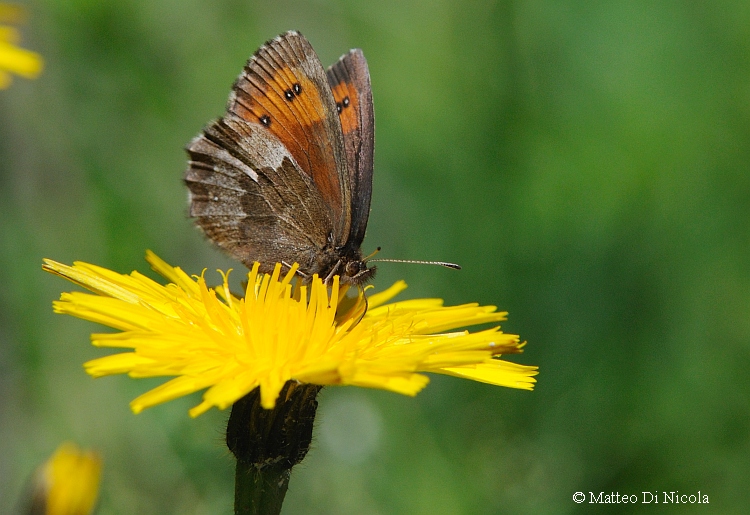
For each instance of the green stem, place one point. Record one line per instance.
(267, 444)
(259, 491)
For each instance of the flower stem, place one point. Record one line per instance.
(259, 491)
(267, 444)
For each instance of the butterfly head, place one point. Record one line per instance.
(346, 263)
(356, 272)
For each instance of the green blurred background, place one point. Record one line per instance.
(587, 165)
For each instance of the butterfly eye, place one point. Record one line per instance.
(265, 120)
(345, 102)
(288, 94)
(353, 268)
(297, 88)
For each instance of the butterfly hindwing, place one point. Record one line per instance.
(349, 79)
(250, 198)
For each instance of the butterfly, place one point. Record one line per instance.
(286, 174)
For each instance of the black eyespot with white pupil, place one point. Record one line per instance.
(341, 105)
(265, 120)
(293, 92)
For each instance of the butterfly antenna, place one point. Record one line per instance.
(368, 258)
(453, 266)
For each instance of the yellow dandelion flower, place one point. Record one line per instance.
(68, 483)
(280, 331)
(14, 59)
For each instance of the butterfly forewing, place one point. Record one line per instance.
(284, 89)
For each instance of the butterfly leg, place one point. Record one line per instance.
(332, 272)
(302, 274)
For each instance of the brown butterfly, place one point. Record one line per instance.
(286, 174)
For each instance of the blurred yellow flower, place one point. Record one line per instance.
(68, 483)
(279, 331)
(14, 59)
